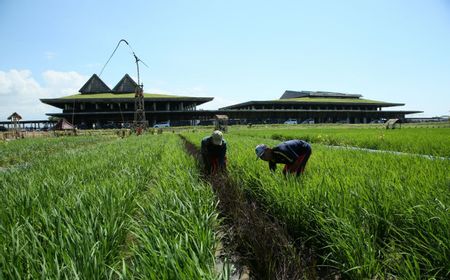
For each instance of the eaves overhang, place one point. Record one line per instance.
(231, 112)
(285, 102)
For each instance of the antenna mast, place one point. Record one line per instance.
(139, 123)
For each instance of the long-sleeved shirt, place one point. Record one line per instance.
(288, 152)
(211, 151)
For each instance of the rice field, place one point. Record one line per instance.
(102, 207)
(424, 141)
(123, 208)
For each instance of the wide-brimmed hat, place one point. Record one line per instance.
(260, 150)
(217, 137)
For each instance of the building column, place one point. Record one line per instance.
(168, 106)
(181, 106)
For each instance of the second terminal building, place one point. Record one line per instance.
(316, 107)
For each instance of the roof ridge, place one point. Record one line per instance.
(125, 85)
(94, 85)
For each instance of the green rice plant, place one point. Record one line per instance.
(33, 149)
(79, 213)
(174, 230)
(426, 141)
(369, 215)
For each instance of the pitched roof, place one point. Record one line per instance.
(314, 100)
(94, 85)
(110, 95)
(63, 124)
(327, 94)
(125, 85)
(15, 116)
(329, 100)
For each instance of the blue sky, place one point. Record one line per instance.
(235, 51)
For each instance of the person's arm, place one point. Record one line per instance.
(272, 166)
(222, 155)
(204, 152)
(204, 148)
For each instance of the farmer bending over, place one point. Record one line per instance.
(293, 153)
(214, 149)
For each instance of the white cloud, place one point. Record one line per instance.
(15, 80)
(63, 83)
(20, 92)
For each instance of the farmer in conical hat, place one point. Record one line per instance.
(214, 149)
(293, 153)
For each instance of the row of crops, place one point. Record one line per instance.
(102, 208)
(31, 150)
(425, 141)
(370, 215)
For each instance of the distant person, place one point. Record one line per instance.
(293, 153)
(214, 149)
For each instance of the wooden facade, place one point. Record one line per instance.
(98, 105)
(317, 107)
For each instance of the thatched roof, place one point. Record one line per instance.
(125, 85)
(15, 116)
(94, 85)
(324, 94)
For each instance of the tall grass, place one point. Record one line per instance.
(369, 215)
(426, 141)
(86, 213)
(174, 229)
(33, 149)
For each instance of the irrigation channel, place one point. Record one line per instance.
(253, 239)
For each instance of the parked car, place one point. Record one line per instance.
(308, 121)
(162, 125)
(291, 121)
(2, 128)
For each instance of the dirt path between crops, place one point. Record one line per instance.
(256, 240)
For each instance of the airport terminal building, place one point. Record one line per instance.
(317, 107)
(98, 105)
